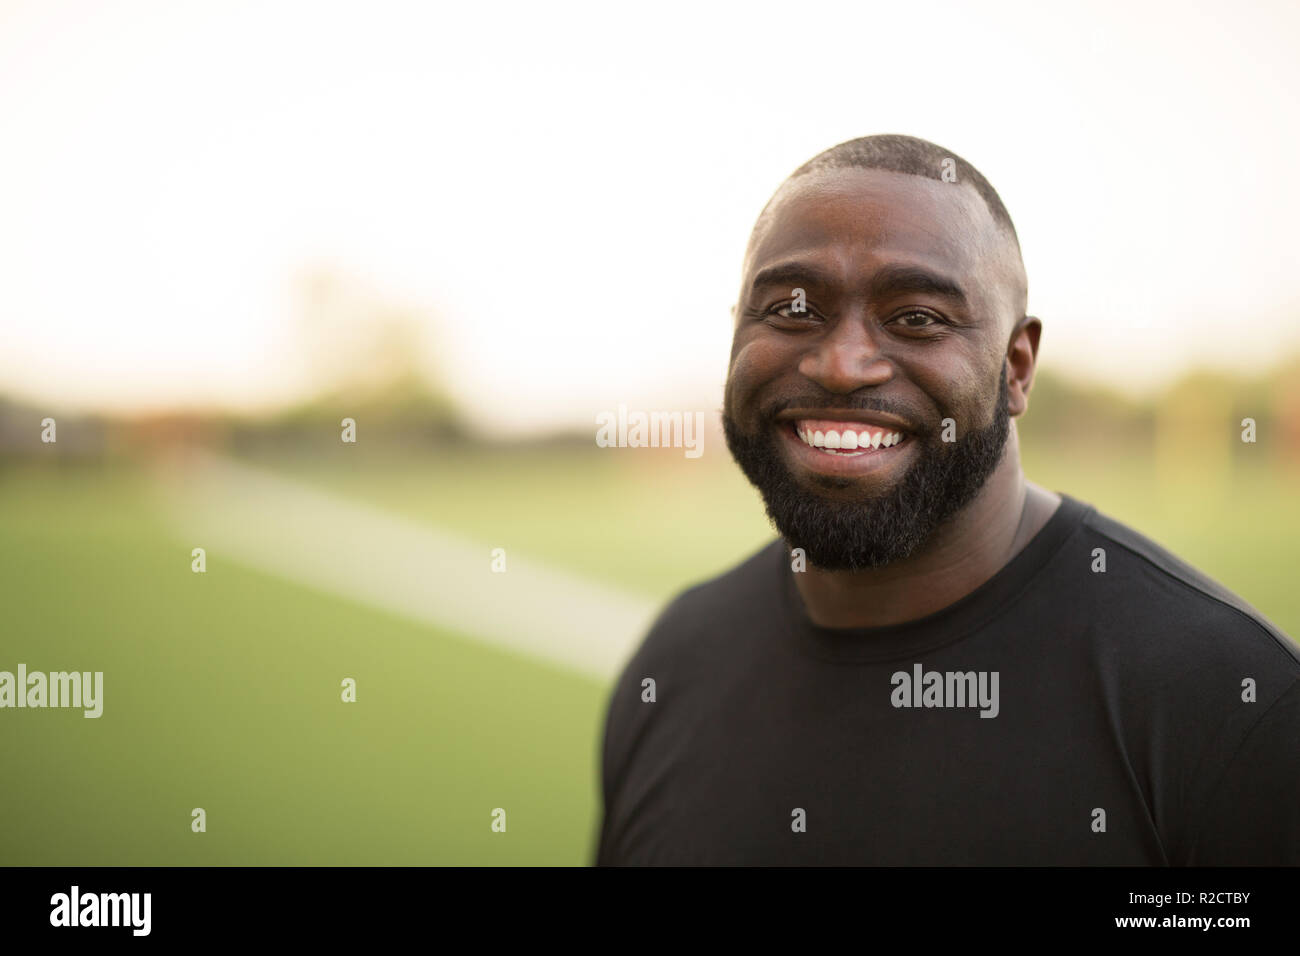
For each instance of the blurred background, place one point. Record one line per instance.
(225, 228)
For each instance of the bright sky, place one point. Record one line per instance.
(566, 189)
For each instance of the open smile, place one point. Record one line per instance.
(846, 448)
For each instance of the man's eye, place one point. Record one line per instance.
(929, 320)
(788, 311)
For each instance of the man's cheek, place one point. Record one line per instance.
(751, 366)
(739, 392)
(757, 354)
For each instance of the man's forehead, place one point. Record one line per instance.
(865, 210)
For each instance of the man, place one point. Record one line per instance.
(938, 662)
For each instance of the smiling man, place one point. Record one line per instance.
(937, 662)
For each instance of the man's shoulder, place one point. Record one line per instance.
(714, 606)
(1151, 584)
(693, 640)
(1205, 689)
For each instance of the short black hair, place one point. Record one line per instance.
(897, 153)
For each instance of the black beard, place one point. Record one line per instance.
(850, 535)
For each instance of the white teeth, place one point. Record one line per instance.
(847, 439)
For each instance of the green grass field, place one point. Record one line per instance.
(221, 690)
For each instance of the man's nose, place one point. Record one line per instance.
(848, 357)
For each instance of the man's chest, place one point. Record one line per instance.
(848, 775)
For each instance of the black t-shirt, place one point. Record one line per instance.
(1060, 714)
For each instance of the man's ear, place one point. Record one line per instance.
(1022, 359)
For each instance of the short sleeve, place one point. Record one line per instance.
(1253, 816)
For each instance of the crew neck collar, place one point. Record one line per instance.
(945, 626)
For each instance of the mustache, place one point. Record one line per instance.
(829, 404)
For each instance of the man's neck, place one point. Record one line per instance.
(963, 554)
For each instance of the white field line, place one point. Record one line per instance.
(292, 530)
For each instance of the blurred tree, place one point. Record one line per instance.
(1195, 432)
(368, 357)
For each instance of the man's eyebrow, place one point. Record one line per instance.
(900, 280)
(890, 280)
(792, 274)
